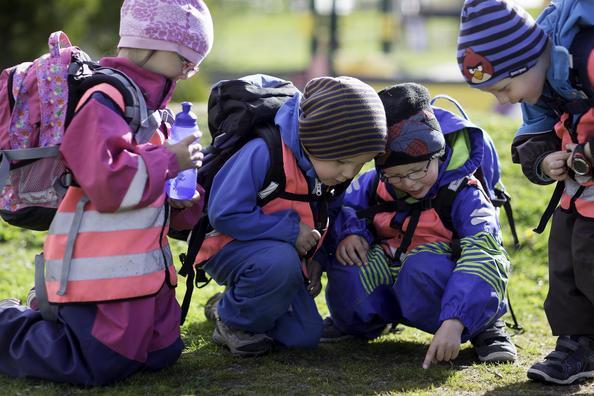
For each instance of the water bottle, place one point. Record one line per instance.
(183, 186)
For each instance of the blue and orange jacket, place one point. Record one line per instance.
(233, 207)
(483, 260)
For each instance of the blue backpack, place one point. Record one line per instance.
(489, 171)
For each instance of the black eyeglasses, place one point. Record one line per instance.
(188, 66)
(416, 175)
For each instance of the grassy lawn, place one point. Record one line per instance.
(388, 365)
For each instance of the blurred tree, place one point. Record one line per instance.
(92, 24)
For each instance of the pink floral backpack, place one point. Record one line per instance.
(37, 101)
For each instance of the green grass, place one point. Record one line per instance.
(388, 365)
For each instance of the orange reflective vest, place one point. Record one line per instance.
(430, 228)
(91, 256)
(295, 184)
(580, 190)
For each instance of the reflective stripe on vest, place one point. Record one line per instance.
(295, 183)
(136, 187)
(429, 229)
(584, 204)
(115, 255)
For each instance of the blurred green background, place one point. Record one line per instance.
(380, 41)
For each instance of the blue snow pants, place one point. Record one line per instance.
(363, 300)
(266, 292)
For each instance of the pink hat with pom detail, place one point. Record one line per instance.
(181, 26)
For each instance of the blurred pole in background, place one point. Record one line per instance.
(333, 42)
(388, 30)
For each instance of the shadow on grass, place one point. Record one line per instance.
(350, 367)
(536, 388)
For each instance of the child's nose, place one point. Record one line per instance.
(408, 183)
(502, 99)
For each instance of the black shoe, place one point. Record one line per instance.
(571, 361)
(210, 308)
(494, 344)
(331, 333)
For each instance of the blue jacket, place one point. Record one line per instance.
(561, 21)
(233, 208)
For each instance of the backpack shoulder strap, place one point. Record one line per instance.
(444, 201)
(275, 180)
(108, 89)
(581, 48)
(142, 121)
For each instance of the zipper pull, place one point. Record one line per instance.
(318, 188)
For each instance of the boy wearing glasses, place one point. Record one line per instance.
(418, 241)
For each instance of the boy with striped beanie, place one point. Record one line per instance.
(264, 248)
(548, 67)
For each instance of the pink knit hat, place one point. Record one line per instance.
(182, 26)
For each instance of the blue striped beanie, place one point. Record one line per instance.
(497, 40)
(341, 117)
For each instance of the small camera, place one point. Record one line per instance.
(579, 162)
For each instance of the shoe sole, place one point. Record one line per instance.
(212, 301)
(331, 340)
(498, 357)
(219, 340)
(538, 375)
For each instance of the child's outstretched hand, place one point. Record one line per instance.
(352, 250)
(554, 165)
(187, 152)
(314, 272)
(184, 203)
(307, 239)
(445, 344)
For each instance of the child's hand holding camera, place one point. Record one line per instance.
(555, 166)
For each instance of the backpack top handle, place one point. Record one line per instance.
(453, 101)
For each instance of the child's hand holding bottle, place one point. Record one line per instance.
(184, 143)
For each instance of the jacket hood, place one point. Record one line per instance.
(287, 119)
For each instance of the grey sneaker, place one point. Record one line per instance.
(210, 308)
(494, 344)
(331, 333)
(241, 343)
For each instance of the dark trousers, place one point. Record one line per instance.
(570, 302)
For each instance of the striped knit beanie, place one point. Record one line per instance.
(497, 40)
(414, 134)
(341, 117)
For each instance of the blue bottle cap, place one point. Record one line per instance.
(185, 118)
